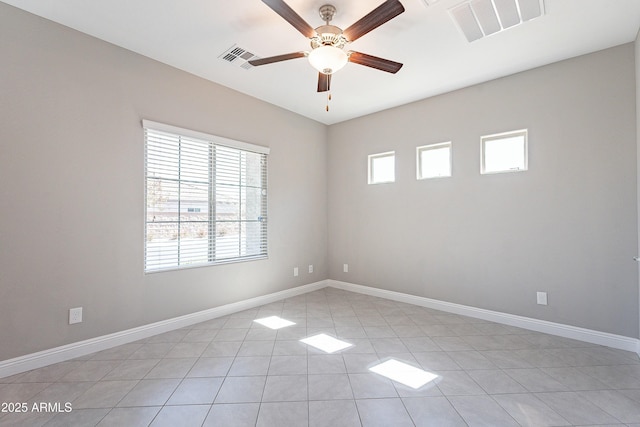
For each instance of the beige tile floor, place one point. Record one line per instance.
(233, 371)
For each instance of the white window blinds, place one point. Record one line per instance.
(206, 199)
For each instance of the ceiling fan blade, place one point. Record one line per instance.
(278, 58)
(324, 82)
(374, 62)
(289, 15)
(378, 16)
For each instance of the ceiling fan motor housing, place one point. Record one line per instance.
(328, 35)
(327, 54)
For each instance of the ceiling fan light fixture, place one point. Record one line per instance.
(328, 59)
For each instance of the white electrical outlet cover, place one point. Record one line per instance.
(541, 298)
(75, 315)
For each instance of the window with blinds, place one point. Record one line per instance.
(206, 199)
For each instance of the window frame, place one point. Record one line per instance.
(370, 169)
(428, 147)
(244, 150)
(504, 135)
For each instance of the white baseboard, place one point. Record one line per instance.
(82, 348)
(567, 331)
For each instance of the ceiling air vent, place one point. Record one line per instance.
(238, 56)
(480, 18)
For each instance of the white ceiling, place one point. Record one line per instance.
(191, 35)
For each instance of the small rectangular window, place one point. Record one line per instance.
(504, 152)
(382, 167)
(433, 161)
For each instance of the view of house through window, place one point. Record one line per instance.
(205, 202)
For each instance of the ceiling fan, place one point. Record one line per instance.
(327, 53)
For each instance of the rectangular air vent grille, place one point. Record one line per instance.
(238, 56)
(480, 18)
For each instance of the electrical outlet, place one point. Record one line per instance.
(310, 268)
(541, 298)
(345, 268)
(295, 271)
(75, 315)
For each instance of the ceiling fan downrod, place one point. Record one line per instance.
(327, 12)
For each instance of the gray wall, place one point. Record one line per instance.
(71, 187)
(637, 52)
(568, 226)
(71, 192)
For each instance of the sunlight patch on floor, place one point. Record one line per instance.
(403, 373)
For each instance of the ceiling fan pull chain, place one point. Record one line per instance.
(328, 99)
